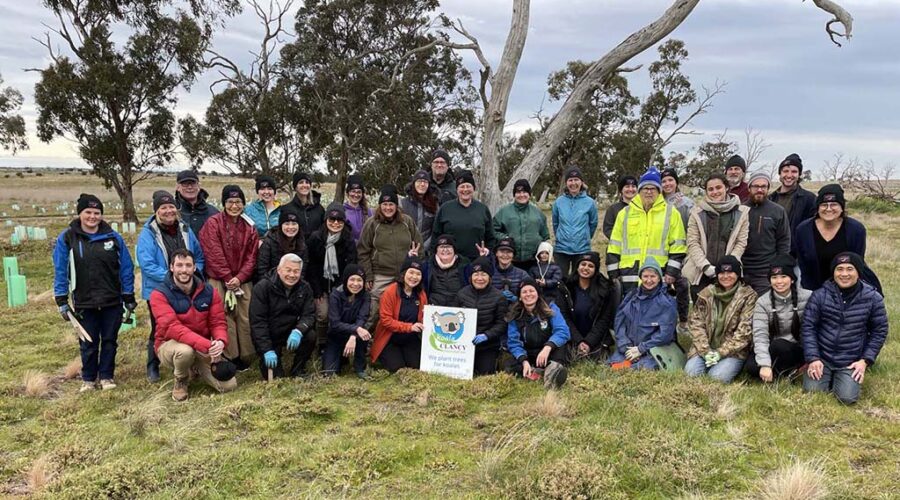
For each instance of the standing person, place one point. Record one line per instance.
(331, 250)
(467, 219)
(490, 330)
(356, 207)
(776, 324)
(445, 273)
(674, 197)
(798, 203)
(524, 222)
(398, 336)
(817, 241)
(441, 175)
(163, 234)
(627, 191)
(507, 277)
(735, 171)
(844, 328)
(230, 245)
(91, 262)
(307, 203)
(587, 303)
(769, 234)
(718, 226)
(546, 273)
(190, 199)
(721, 323)
(421, 203)
(282, 314)
(282, 239)
(191, 322)
(635, 334)
(575, 221)
(647, 227)
(537, 338)
(386, 240)
(348, 312)
(264, 210)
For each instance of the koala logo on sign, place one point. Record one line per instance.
(448, 328)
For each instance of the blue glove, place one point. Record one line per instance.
(64, 311)
(479, 338)
(294, 340)
(271, 359)
(510, 296)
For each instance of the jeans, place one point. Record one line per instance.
(724, 371)
(99, 357)
(837, 380)
(334, 354)
(152, 358)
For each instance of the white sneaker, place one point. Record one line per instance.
(107, 384)
(87, 386)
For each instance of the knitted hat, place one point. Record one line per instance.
(831, 193)
(161, 198)
(736, 161)
(783, 264)
(522, 185)
(759, 174)
(288, 214)
(465, 177)
(592, 257)
(505, 244)
(848, 258)
(650, 263)
(669, 172)
(729, 264)
(792, 159)
(232, 191)
(420, 175)
(445, 239)
(410, 263)
(265, 181)
(223, 370)
(529, 281)
(86, 201)
(651, 178)
(352, 269)
(440, 153)
(627, 180)
(573, 172)
(300, 176)
(187, 176)
(482, 264)
(388, 194)
(355, 182)
(335, 211)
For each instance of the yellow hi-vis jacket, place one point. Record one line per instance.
(637, 235)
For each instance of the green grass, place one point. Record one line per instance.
(609, 435)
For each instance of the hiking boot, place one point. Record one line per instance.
(180, 391)
(240, 365)
(87, 386)
(153, 373)
(363, 376)
(555, 375)
(107, 384)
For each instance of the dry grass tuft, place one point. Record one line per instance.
(39, 474)
(725, 408)
(798, 481)
(495, 454)
(423, 398)
(148, 414)
(72, 370)
(36, 383)
(551, 406)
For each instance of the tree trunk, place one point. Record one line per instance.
(343, 166)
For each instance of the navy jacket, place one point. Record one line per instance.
(803, 207)
(645, 320)
(803, 248)
(841, 333)
(344, 317)
(96, 268)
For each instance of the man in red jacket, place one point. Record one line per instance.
(190, 325)
(229, 242)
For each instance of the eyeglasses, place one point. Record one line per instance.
(760, 188)
(830, 205)
(234, 203)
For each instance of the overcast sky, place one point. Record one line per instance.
(784, 76)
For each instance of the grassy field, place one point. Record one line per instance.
(605, 435)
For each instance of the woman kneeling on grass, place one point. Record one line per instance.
(844, 328)
(398, 334)
(720, 324)
(348, 311)
(776, 324)
(537, 337)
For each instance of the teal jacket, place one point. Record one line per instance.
(575, 221)
(525, 224)
(256, 210)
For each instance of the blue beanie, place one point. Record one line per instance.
(651, 177)
(650, 263)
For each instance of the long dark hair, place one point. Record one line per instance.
(291, 245)
(775, 324)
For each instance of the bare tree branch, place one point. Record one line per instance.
(702, 107)
(754, 146)
(840, 16)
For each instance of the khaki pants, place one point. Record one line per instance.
(182, 357)
(381, 282)
(240, 345)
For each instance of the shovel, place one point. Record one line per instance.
(80, 332)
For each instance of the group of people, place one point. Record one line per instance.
(267, 281)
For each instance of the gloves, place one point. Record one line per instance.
(64, 311)
(479, 338)
(294, 340)
(711, 358)
(710, 272)
(230, 300)
(632, 353)
(510, 296)
(130, 305)
(271, 359)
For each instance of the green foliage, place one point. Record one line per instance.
(12, 125)
(872, 205)
(710, 158)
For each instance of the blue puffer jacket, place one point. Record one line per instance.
(840, 333)
(151, 254)
(646, 320)
(529, 334)
(575, 220)
(263, 222)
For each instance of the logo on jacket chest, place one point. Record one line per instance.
(109, 245)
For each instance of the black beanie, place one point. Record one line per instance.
(627, 180)
(736, 161)
(420, 174)
(352, 270)
(482, 264)
(522, 185)
(265, 181)
(592, 257)
(335, 211)
(465, 177)
(783, 264)
(831, 193)
(388, 194)
(669, 172)
(300, 176)
(161, 198)
(445, 239)
(575, 172)
(410, 262)
(223, 370)
(505, 244)
(440, 153)
(789, 160)
(529, 281)
(86, 201)
(288, 214)
(355, 182)
(232, 191)
(848, 258)
(729, 263)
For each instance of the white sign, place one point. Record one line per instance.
(447, 346)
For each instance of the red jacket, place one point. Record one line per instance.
(194, 320)
(742, 191)
(388, 312)
(229, 247)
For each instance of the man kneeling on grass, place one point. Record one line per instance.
(191, 334)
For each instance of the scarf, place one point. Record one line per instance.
(330, 270)
(445, 266)
(730, 203)
(721, 299)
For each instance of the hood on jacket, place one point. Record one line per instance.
(545, 246)
(103, 230)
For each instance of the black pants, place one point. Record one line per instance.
(333, 357)
(152, 358)
(758, 279)
(486, 360)
(98, 358)
(301, 357)
(705, 281)
(565, 262)
(786, 356)
(559, 354)
(404, 350)
(682, 297)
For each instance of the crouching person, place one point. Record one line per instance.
(537, 337)
(282, 315)
(191, 332)
(844, 328)
(490, 330)
(348, 312)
